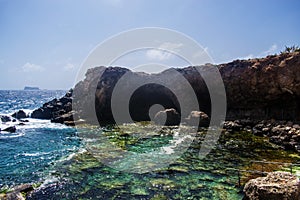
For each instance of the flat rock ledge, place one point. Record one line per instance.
(275, 186)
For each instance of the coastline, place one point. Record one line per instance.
(277, 130)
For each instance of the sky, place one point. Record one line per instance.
(43, 43)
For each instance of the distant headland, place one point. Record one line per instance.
(31, 88)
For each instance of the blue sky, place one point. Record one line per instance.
(44, 42)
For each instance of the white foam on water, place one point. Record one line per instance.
(70, 156)
(49, 181)
(175, 143)
(33, 123)
(35, 154)
(5, 135)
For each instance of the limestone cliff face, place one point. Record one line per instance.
(262, 88)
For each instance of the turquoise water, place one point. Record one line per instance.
(27, 154)
(67, 163)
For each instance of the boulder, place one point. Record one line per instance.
(232, 126)
(198, 118)
(42, 113)
(10, 129)
(16, 193)
(19, 114)
(275, 186)
(5, 118)
(168, 117)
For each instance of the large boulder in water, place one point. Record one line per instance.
(275, 186)
(168, 117)
(42, 113)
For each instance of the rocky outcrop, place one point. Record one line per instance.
(283, 133)
(55, 109)
(256, 89)
(20, 114)
(263, 88)
(18, 192)
(275, 186)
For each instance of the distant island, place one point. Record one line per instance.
(31, 88)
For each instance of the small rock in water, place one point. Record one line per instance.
(10, 129)
(5, 118)
(19, 115)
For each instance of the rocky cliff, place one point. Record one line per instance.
(265, 88)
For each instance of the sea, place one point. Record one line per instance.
(27, 154)
(63, 163)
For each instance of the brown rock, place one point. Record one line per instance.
(275, 186)
(198, 118)
(168, 117)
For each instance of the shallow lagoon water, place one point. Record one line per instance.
(84, 176)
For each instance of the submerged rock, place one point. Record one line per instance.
(275, 186)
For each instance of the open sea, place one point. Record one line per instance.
(62, 164)
(29, 153)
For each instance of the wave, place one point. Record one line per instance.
(70, 156)
(33, 123)
(5, 135)
(35, 154)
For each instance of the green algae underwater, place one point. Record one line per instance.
(220, 175)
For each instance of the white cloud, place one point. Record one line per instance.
(29, 67)
(68, 67)
(202, 53)
(270, 51)
(250, 56)
(155, 54)
(163, 51)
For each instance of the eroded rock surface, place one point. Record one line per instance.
(275, 186)
(256, 89)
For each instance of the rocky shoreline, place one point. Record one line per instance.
(259, 92)
(262, 99)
